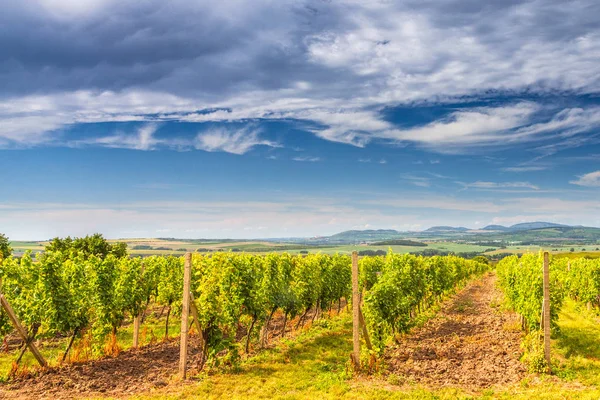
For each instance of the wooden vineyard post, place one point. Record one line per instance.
(546, 310)
(136, 331)
(195, 314)
(355, 312)
(136, 323)
(17, 324)
(365, 332)
(185, 312)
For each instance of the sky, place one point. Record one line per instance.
(296, 118)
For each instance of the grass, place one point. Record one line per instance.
(578, 346)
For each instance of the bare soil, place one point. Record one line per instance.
(471, 344)
(131, 372)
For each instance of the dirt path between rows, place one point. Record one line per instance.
(471, 343)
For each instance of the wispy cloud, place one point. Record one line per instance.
(142, 140)
(162, 186)
(28, 131)
(419, 181)
(591, 179)
(467, 128)
(525, 168)
(307, 159)
(235, 141)
(500, 185)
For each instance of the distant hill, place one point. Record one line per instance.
(446, 229)
(535, 225)
(500, 228)
(525, 226)
(527, 232)
(356, 236)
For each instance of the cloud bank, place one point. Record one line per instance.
(335, 66)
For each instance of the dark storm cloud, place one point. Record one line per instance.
(203, 46)
(217, 47)
(332, 64)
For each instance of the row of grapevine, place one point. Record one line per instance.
(397, 287)
(66, 292)
(580, 278)
(522, 282)
(94, 288)
(239, 289)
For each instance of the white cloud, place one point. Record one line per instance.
(591, 179)
(235, 141)
(307, 159)
(162, 186)
(28, 131)
(525, 168)
(416, 180)
(143, 140)
(567, 122)
(500, 185)
(472, 127)
(336, 74)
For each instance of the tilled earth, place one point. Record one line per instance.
(133, 371)
(470, 344)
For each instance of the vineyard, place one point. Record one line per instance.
(522, 281)
(87, 294)
(73, 291)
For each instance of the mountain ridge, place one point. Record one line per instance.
(537, 230)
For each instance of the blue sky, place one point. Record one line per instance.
(296, 118)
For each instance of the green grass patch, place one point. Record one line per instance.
(578, 345)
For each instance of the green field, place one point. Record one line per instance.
(179, 247)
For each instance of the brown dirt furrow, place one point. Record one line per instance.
(471, 344)
(131, 372)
